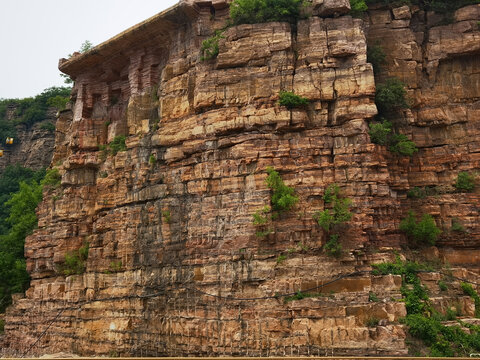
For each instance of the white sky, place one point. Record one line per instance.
(34, 34)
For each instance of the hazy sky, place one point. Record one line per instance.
(34, 34)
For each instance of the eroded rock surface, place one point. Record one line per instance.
(174, 265)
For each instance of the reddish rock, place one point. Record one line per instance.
(175, 267)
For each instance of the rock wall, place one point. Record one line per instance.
(33, 146)
(440, 66)
(174, 265)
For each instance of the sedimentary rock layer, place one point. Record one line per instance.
(174, 264)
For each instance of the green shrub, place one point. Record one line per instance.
(261, 11)
(376, 56)
(332, 192)
(391, 97)
(261, 217)
(372, 322)
(442, 285)
(48, 126)
(58, 101)
(152, 160)
(457, 226)
(52, 179)
(380, 132)
(423, 321)
(75, 261)
(20, 194)
(372, 297)
(281, 258)
(210, 48)
(465, 182)
(291, 101)
(283, 197)
(301, 295)
(325, 219)
(263, 233)
(2, 326)
(400, 144)
(470, 291)
(167, 216)
(115, 266)
(423, 232)
(340, 212)
(118, 144)
(333, 246)
(416, 193)
(329, 219)
(358, 8)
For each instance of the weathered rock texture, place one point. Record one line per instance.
(33, 146)
(169, 220)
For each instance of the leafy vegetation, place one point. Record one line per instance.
(20, 193)
(261, 11)
(372, 322)
(59, 102)
(468, 289)
(48, 126)
(372, 297)
(282, 199)
(416, 193)
(423, 232)
(381, 133)
(52, 179)
(358, 7)
(152, 160)
(291, 100)
(167, 216)
(28, 111)
(331, 220)
(299, 295)
(400, 144)
(457, 226)
(210, 49)
(75, 261)
(118, 144)
(115, 146)
(442, 285)
(391, 97)
(423, 321)
(115, 266)
(333, 246)
(465, 182)
(376, 56)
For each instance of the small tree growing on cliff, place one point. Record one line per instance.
(423, 232)
(330, 220)
(283, 199)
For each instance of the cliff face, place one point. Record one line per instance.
(33, 146)
(174, 265)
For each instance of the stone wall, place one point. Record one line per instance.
(174, 265)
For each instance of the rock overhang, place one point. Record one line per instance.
(154, 29)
